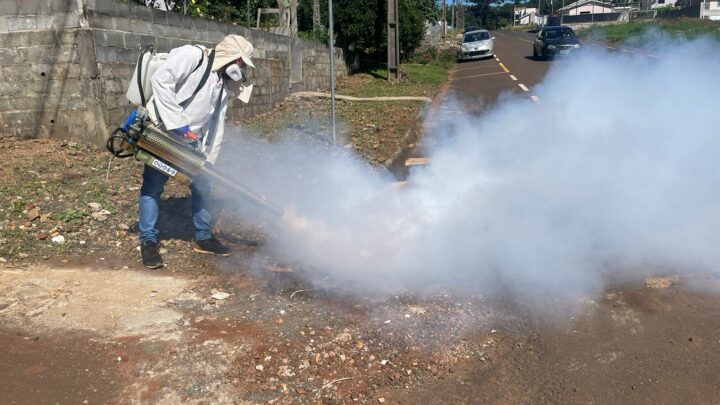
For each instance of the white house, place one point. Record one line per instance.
(525, 16)
(587, 7)
(166, 5)
(710, 10)
(663, 3)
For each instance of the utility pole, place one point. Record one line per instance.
(460, 18)
(393, 40)
(282, 7)
(452, 14)
(316, 14)
(538, 13)
(461, 15)
(248, 14)
(293, 17)
(332, 69)
(444, 21)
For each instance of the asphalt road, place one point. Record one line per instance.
(637, 344)
(478, 84)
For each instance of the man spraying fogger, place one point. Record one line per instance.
(190, 95)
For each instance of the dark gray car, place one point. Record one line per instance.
(555, 41)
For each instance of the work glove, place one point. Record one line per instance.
(184, 132)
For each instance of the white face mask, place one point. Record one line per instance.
(235, 72)
(245, 93)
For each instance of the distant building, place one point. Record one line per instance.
(710, 10)
(166, 5)
(663, 3)
(588, 7)
(526, 16)
(653, 4)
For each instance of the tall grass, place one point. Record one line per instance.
(684, 28)
(420, 80)
(433, 55)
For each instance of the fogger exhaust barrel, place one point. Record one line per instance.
(186, 158)
(192, 162)
(138, 140)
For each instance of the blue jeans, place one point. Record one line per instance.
(152, 186)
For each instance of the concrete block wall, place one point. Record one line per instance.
(65, 64)
(47, 79)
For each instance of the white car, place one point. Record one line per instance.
(476, 44)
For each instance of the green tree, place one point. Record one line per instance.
(482, 11)
(360, 25)
(492, 14)
(412, 17)
(228, 11)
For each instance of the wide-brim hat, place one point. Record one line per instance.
(232, 48)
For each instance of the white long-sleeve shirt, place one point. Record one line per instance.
(174, 82)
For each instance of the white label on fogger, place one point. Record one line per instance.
(164, 168)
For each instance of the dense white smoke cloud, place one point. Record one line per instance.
(614, 175)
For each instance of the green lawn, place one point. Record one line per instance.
(421, 80)
(680, 29)
(375, 129)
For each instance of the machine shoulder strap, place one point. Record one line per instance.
(148, 49)
(205, 76)
(142, 77)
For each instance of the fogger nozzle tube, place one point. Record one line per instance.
(140, 139)
(257, 199)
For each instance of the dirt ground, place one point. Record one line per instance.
(81, 321)
(112, 335)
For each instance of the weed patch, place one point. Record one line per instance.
(73, 215)
(374, 129)
(678, 29)
(418, 80)
(17, 207)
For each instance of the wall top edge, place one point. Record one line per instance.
(111, 8)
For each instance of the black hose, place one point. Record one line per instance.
(118, 150)
(147, 49)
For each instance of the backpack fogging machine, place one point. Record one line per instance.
(172, 157)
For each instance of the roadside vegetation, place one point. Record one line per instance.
(433, 55)
(684, 28)
(528, 27)
(376, 130)
(359, 25)
(417, 80)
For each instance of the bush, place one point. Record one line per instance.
(318, 34)
(432, 55)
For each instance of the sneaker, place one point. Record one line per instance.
(212, 246)
(151, 255)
